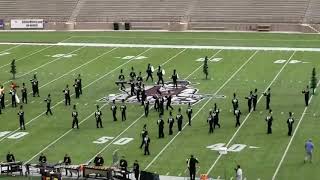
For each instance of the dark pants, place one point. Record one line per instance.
(268, 104)
(210, 127)
(75, 122)
(77, 91)
(99, 123)
(306, 101)
(254, 104)
(2, 102)
(142, 143)
(175, 84)
(192, 174)
(289, 130)
(24, 98)
(237, 122)
(160, 80)
(22, 126)
(114, 114)
(216, 123)
(161, 134)
(67, 100)
(269, 129)
(146, 112)
(169, 106)
(179, 126)
(48, 110)
(149, 76)
(35, 91)
(189, 118)
(249, 107)
(146, 150)
(136, 175)
(123, 116)
(170, 128)
(13, 101)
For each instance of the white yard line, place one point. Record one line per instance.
(45, 64)
(35, 118)
(5, 50)
(168, 144)
(55, 141)
(248, 115)
(78, 67)
(245, 48)
(27, 56)
(291, 139)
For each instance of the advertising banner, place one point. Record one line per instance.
(27, 23)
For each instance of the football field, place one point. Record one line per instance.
(58, 58)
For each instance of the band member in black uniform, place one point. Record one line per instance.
(169, 100)
(143, 95)
(67, 162)
(146, 145)
(189, 113)
(174, 78)
(249, 98)
(136, 169)
(210, 121)
(146, 108)
(21, 118)
(171, 123)
(237, 115)
(10, 157)
(290, 122)
(255, 99)
(179, 119)
(75, 117)
(122, 79)
(161, 106)
(42, 159)
(235, 103)
(156, 103)
(132, 74)
(2, 105)
(216, 111)
(144, 133)
(269, 120)
(98, 160)
(24, 94)
(76, 88)
(139, 78)
(79, 82)
(192, 163)
(98, 115)
(123, 166)
(123, 109)
(268, 98)
(35, 86)
(67, 99)
(149, 72)
(138, 92)
(114, 110)
(132, 88)
(306, 95)
(13, 93)
(160, 76)
(48, 101)
(160, 123)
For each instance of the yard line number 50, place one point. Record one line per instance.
(105, 139)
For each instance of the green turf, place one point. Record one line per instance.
(238, 71)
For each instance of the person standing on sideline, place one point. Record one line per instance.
(268, 98)
(290, 122)
(269, 120)
(309, 149)
(238, 172)
(306, 93)
(192, 166)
